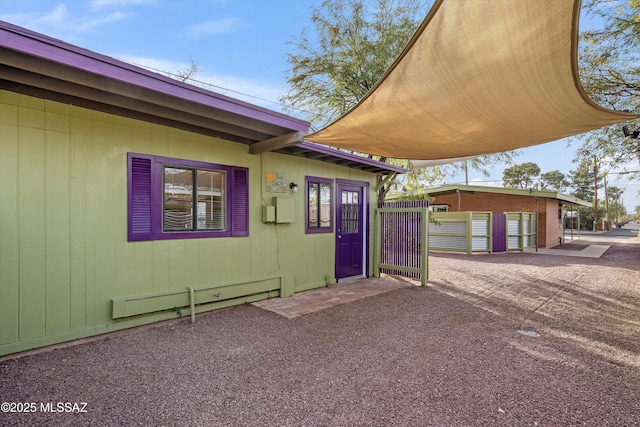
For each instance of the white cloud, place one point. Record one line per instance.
(99, 4)
(21, 19)
(249, 90)
(96, 22)
(483, 183)
(57, 15)
(154, 64)
(61, 22)
(212, 28)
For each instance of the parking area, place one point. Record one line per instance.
(508, 339)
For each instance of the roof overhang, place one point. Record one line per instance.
(40, 66)
(323, 153)
(540, 194)
(37, 65)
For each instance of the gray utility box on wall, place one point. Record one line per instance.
(268, 214)
(285, 209)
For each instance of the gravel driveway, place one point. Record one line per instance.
(506, 339)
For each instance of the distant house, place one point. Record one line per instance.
(130, 198)
(548, 205)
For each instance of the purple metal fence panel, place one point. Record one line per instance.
(499, 233)
(401, 236)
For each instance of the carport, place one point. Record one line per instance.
(477, 77)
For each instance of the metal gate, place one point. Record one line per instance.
(402, 239)
(402, 232)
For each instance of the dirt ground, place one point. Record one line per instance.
(506, 339)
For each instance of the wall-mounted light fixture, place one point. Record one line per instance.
(635, 134)
(294, 187)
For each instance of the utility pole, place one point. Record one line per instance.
(595, 193)
(606, 202)
(618, 206)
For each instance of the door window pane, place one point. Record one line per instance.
(350, 212)
(312, 205)
(325, 206)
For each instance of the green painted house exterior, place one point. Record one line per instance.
(67, 267)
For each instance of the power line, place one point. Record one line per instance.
(622, 173)
(219, 89)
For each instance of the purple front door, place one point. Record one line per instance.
(499, 233)
(350, 233)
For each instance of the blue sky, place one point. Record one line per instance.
(239, 46)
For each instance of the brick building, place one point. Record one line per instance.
(549, 205)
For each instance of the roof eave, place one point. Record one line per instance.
(32, 60)
(41, 66)
(323, 153)
(542, 194)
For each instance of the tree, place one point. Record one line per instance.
(520, 176)
(581, 180)
(188, 73)
(482, 164)
(355, 43)
(554, 180)
(613, 206)
(582, 184)
(609, 67)
(350, 45)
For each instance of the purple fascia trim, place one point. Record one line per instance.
(354, 183)
(307, 180)
(38, 45)
(351, 157)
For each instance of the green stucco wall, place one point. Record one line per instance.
(64, 253)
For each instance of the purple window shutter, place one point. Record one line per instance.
(239, 201)
(139, 197)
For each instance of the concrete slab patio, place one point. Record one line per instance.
(592, 244)
(590, 251)
(324, 298)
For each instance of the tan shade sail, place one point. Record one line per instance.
(478, 77)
